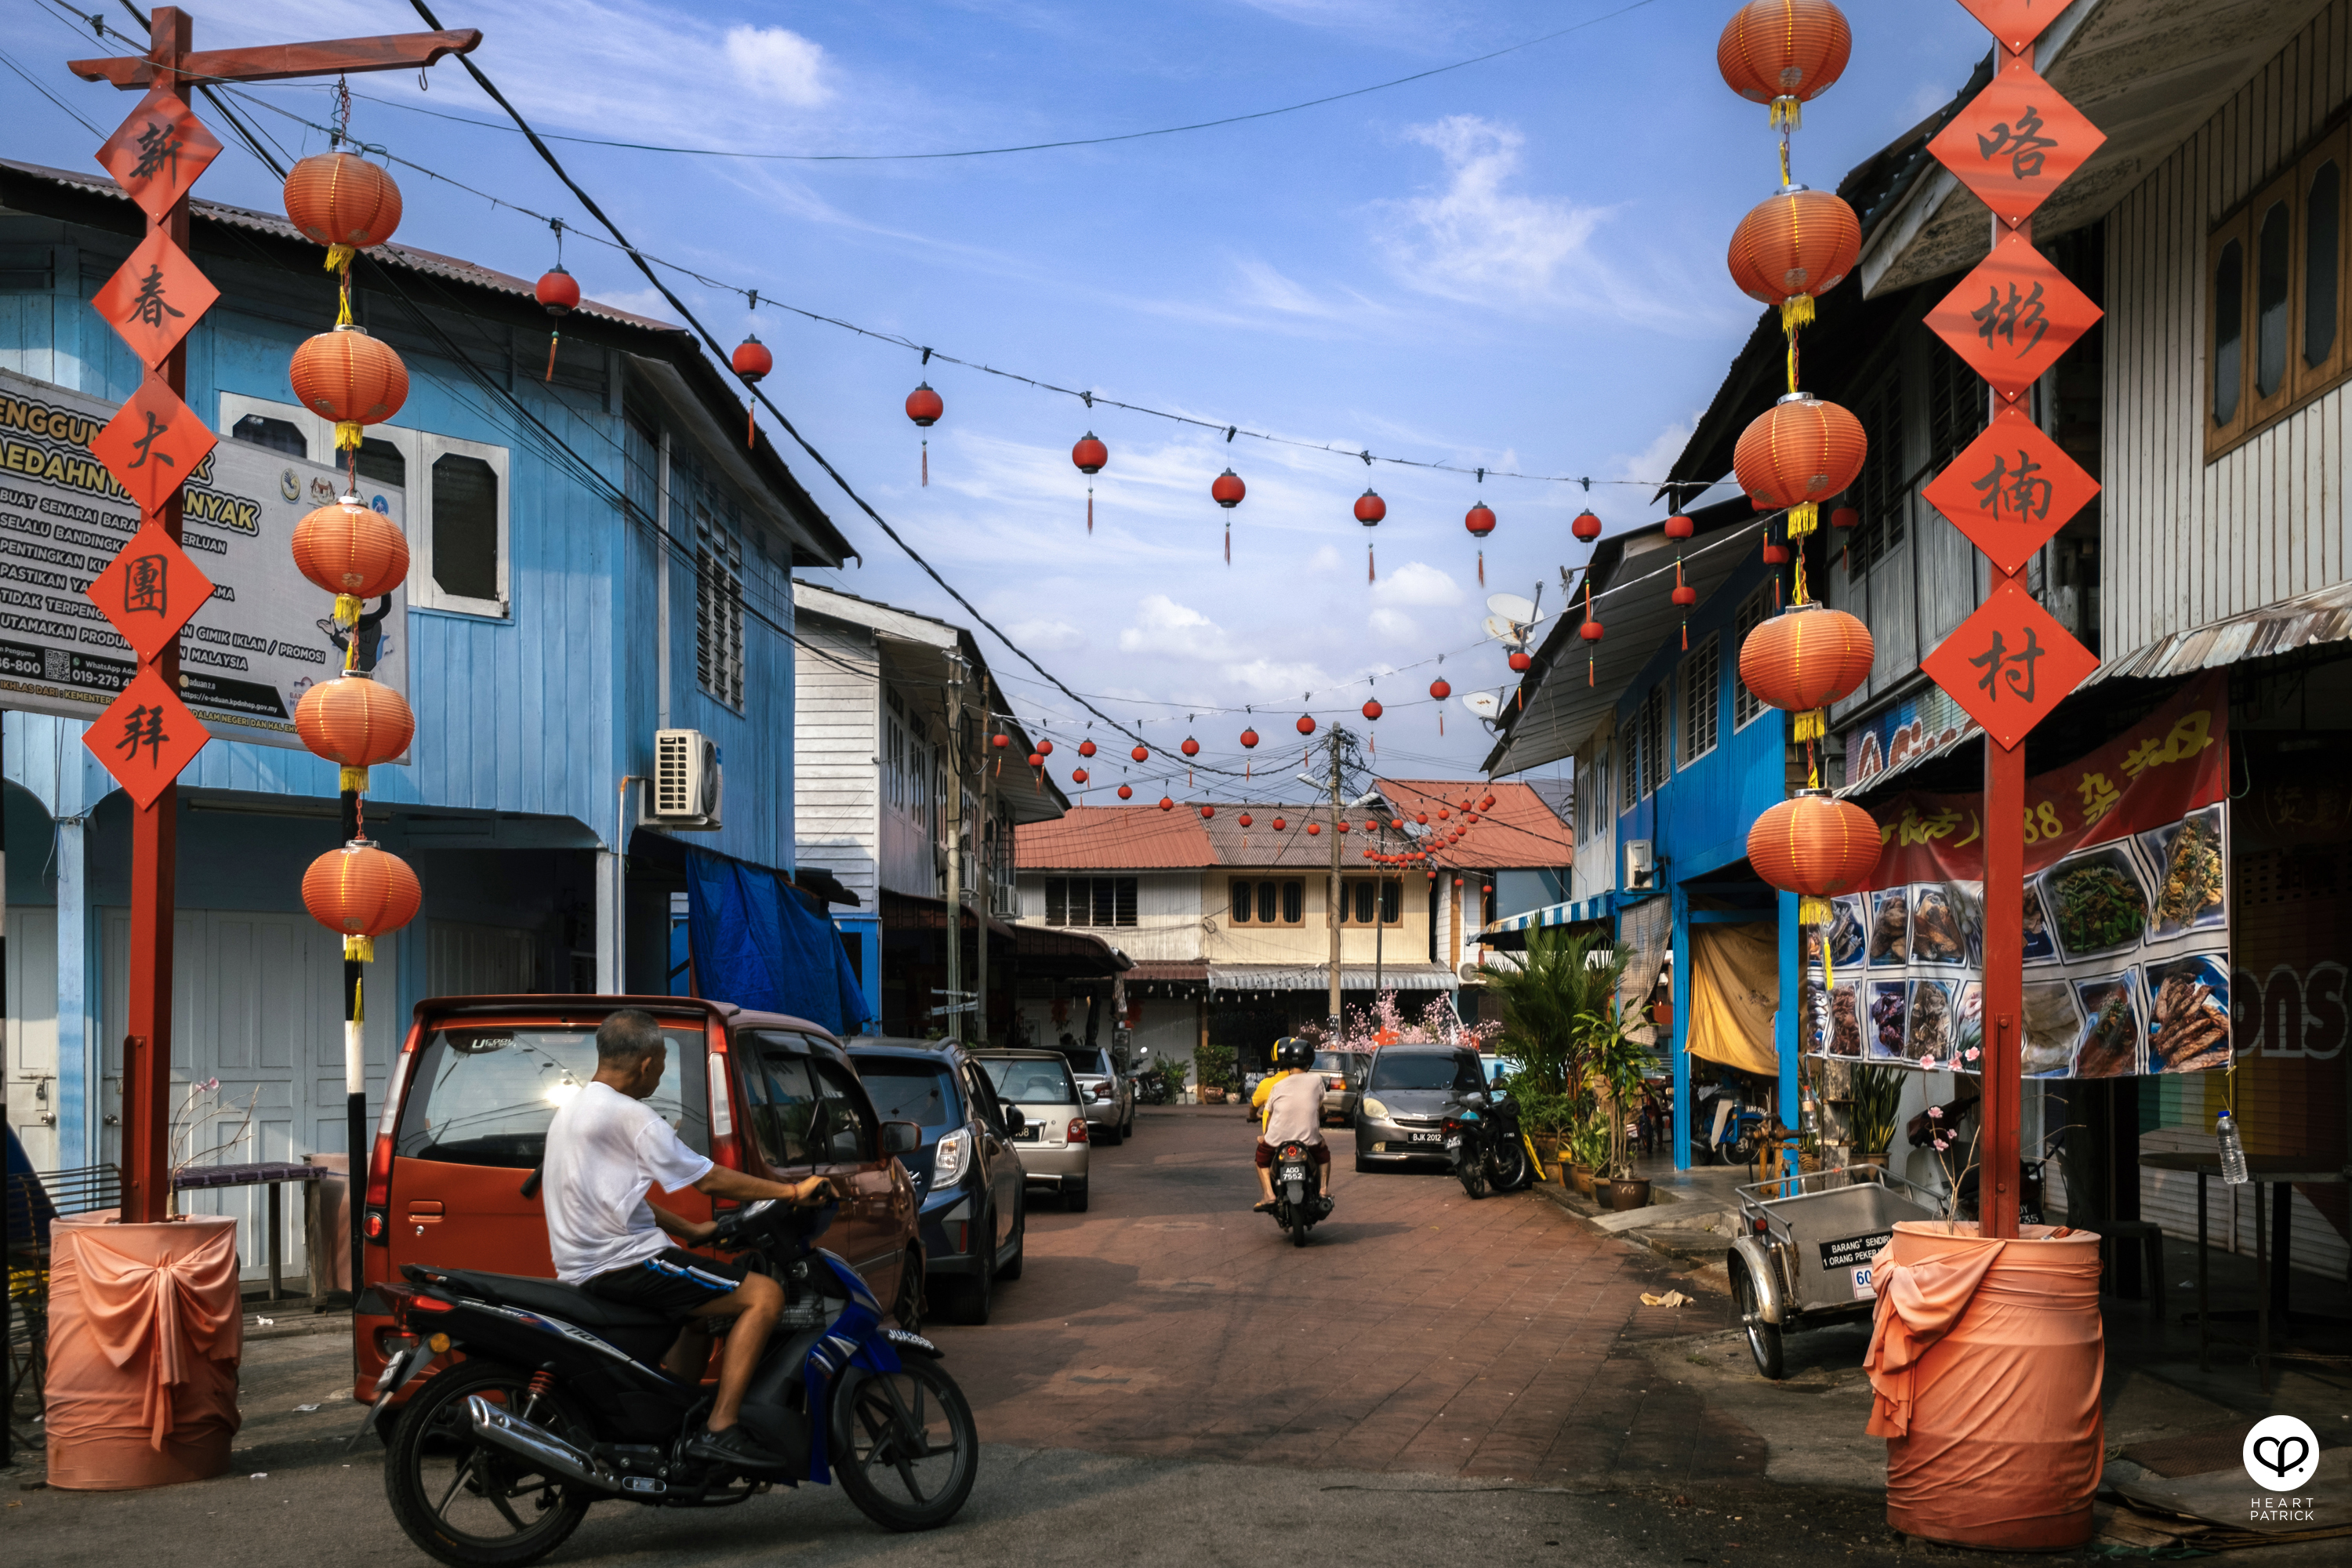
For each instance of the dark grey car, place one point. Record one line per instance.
(1403, 1104)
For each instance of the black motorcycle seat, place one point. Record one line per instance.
(557, 1299)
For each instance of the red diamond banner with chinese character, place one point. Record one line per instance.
(157, 154)
(152, 445)
(2016, 142)
(146, 736)
(2014, 316)
(2010, 664)
(2011, 490)
(156, 298)
(149, 590)
(2015, 23)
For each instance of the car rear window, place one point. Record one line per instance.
(1027, 1081)
(1094, 1064)
(1426, 1069)
(907, 1091)
(1334, 1062)
(483, 1095)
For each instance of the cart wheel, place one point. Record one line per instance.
(1763, 1338)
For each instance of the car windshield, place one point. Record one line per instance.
(1032, 1080)
(1425, 1070)
(484, 1096)
(907, 1090)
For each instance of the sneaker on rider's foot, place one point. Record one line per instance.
(732, 1447)
(1265, 1207)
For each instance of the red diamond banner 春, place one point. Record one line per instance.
(149, 590)
(2014, 316)
(157, 154)
(152, 444)
(2015, 23)
(2016, 142)
(146, 736)
(154, 299)
(2011, 490)
(2010, 664)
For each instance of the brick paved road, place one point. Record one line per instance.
(1418, 1331)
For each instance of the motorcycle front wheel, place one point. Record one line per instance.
(469, 1504)
(905, 1447)
(1510, 1166)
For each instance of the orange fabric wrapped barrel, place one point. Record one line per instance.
(145, 1331)
(1985, 1362)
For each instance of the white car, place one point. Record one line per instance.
(1038, 1089)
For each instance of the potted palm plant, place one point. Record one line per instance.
(1615, 1063)
(1876, 1091)
(1214, 1064)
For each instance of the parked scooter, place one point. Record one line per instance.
(561, 1401)
(1299, 1200)
(1724, 1129)
(1483, 1144)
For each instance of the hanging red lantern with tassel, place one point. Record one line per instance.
(1797, 454)
(1279, 824)
(1045, 747)
(360, 892)
(1209, 811)
(1244, 819)
(1142, 753)
(924, 406)
(751, 363)
(1369, 510)
(1586, 527)
(1090, 456)
(1078, 775)
(1191, 748)
(1791, 247)
(1681, 527)
(1521, 661)
(1166, 805)
(1815, 846)
(351, 378)
(1227, 490)
(1249, 739)
(1124, 792)
(1804, 658)
(1784, 52)
(1086, 748)
(1480, 521)
(1373, 708)
(558, 293)
(1306, 724)
(1591, 632)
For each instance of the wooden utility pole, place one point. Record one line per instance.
(952, 995)
(172, 148)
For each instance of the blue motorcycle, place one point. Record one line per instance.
(543, 1399)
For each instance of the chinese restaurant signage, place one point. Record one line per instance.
(87, 587)
(2127, 915)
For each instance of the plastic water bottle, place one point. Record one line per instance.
(2233, 1151)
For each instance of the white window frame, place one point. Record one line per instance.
(1738, 687)
(419, 450)
(1709, 650)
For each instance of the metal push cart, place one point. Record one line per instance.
(1802, 1256)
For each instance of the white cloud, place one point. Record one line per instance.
(1324, 560)
(1041, 635)
(1394, 626)
(779, 63)
(1163, 626)
(1277, 681)
(1417, 582)
(1478, 240)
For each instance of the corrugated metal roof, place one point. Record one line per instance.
(1317, 977)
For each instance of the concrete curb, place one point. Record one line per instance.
(1645, 1232)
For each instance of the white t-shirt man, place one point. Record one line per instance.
(1294, 1110)
(604, 1151)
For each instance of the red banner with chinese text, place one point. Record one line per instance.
(2127, 914)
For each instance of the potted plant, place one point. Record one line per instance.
(1215, 1064)
(1588, 1148)
(1876, 1091)
(1616, 1062)
(1543, 1117)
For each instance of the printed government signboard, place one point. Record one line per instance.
(2127, 915)
(246, 656)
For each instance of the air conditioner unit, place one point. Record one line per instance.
(687, 781)
(1641, 873)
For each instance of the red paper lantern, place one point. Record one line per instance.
(1090, 454)
(1443, 814)
(1441, 689)
(351, 551)
(1784, 52)
(1142, 754)
(1792, 248)
(1845, 516)
(1249, 739)
(1340, 826)
(557, 290)
(1589, 631)
(1370, 509)
(1313, 828)
(1191, 748)
(1036, 758)
(1804, 658)
(1521, 661)
(1816, 845)
(1479, 520)
(1209, 811)
(1487, 804)
(1797, 454)
(1086, 748)
(1000, 740)
(1124, 792)
(1776, 554)
(1244, 819)
(1166, 805)
(751, 361)
(349, 377)
(360, 892)
(343, 202)
(1306, 724)
(1373, 708)
(924, 406)
(1046, 748)
(1228, 489)
(1279, 824)
(353, 721)
(1586, 527)
(1078, 775)
(1681, 527)
(1685, 595)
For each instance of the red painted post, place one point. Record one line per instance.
(2004, 984)
(154, 832)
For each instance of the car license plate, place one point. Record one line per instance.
(1421, 1137)
(1030, 1133)
(1294, 1173)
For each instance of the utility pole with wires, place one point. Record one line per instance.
(952, 996)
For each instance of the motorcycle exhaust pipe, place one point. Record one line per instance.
(503, 1429)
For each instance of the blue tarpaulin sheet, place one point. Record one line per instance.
(756, 945)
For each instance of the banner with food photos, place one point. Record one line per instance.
(2127, 915)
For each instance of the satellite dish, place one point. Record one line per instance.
(1501, 630)
(1511, 607)
(1484, 704)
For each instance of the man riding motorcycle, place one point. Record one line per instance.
(1293, 1103)
(606, 1150)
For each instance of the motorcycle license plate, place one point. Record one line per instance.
(1294, 1173)
(1422, 1137)
(1454, 1143)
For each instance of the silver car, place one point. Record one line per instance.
(1049, 1130)
(1108, 1093)
(1343, 1083)
(1406, 1089)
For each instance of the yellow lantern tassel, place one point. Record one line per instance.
(1796, 310)
(338, 256)
(1804, 518)
(1788, 114)
(349, 433)
(353, 781)
(1812, 724)
(359, 950)
(1812, 911)
(346, 610)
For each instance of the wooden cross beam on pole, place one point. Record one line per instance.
(167, 162)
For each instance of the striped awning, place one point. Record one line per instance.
(1574, 912)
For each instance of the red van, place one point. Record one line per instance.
(465, 1117)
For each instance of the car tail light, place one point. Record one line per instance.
(379, 1171)
(1077, 1134)
(1100, 1091)
(374, 1223)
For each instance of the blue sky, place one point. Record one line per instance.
(1517, 265)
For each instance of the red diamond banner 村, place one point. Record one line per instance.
(157, 154)
(2010, 664)
(2013, 316)
(2016, 142)
(2014, 24)
(146, 736)
(2011, 490)
(152, 444)
(149, 590)
(154, 299)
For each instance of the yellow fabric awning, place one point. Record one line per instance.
(1735, 990)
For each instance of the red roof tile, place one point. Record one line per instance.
(1115, 838)
(1520, 830)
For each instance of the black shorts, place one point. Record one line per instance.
(673, 1281)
